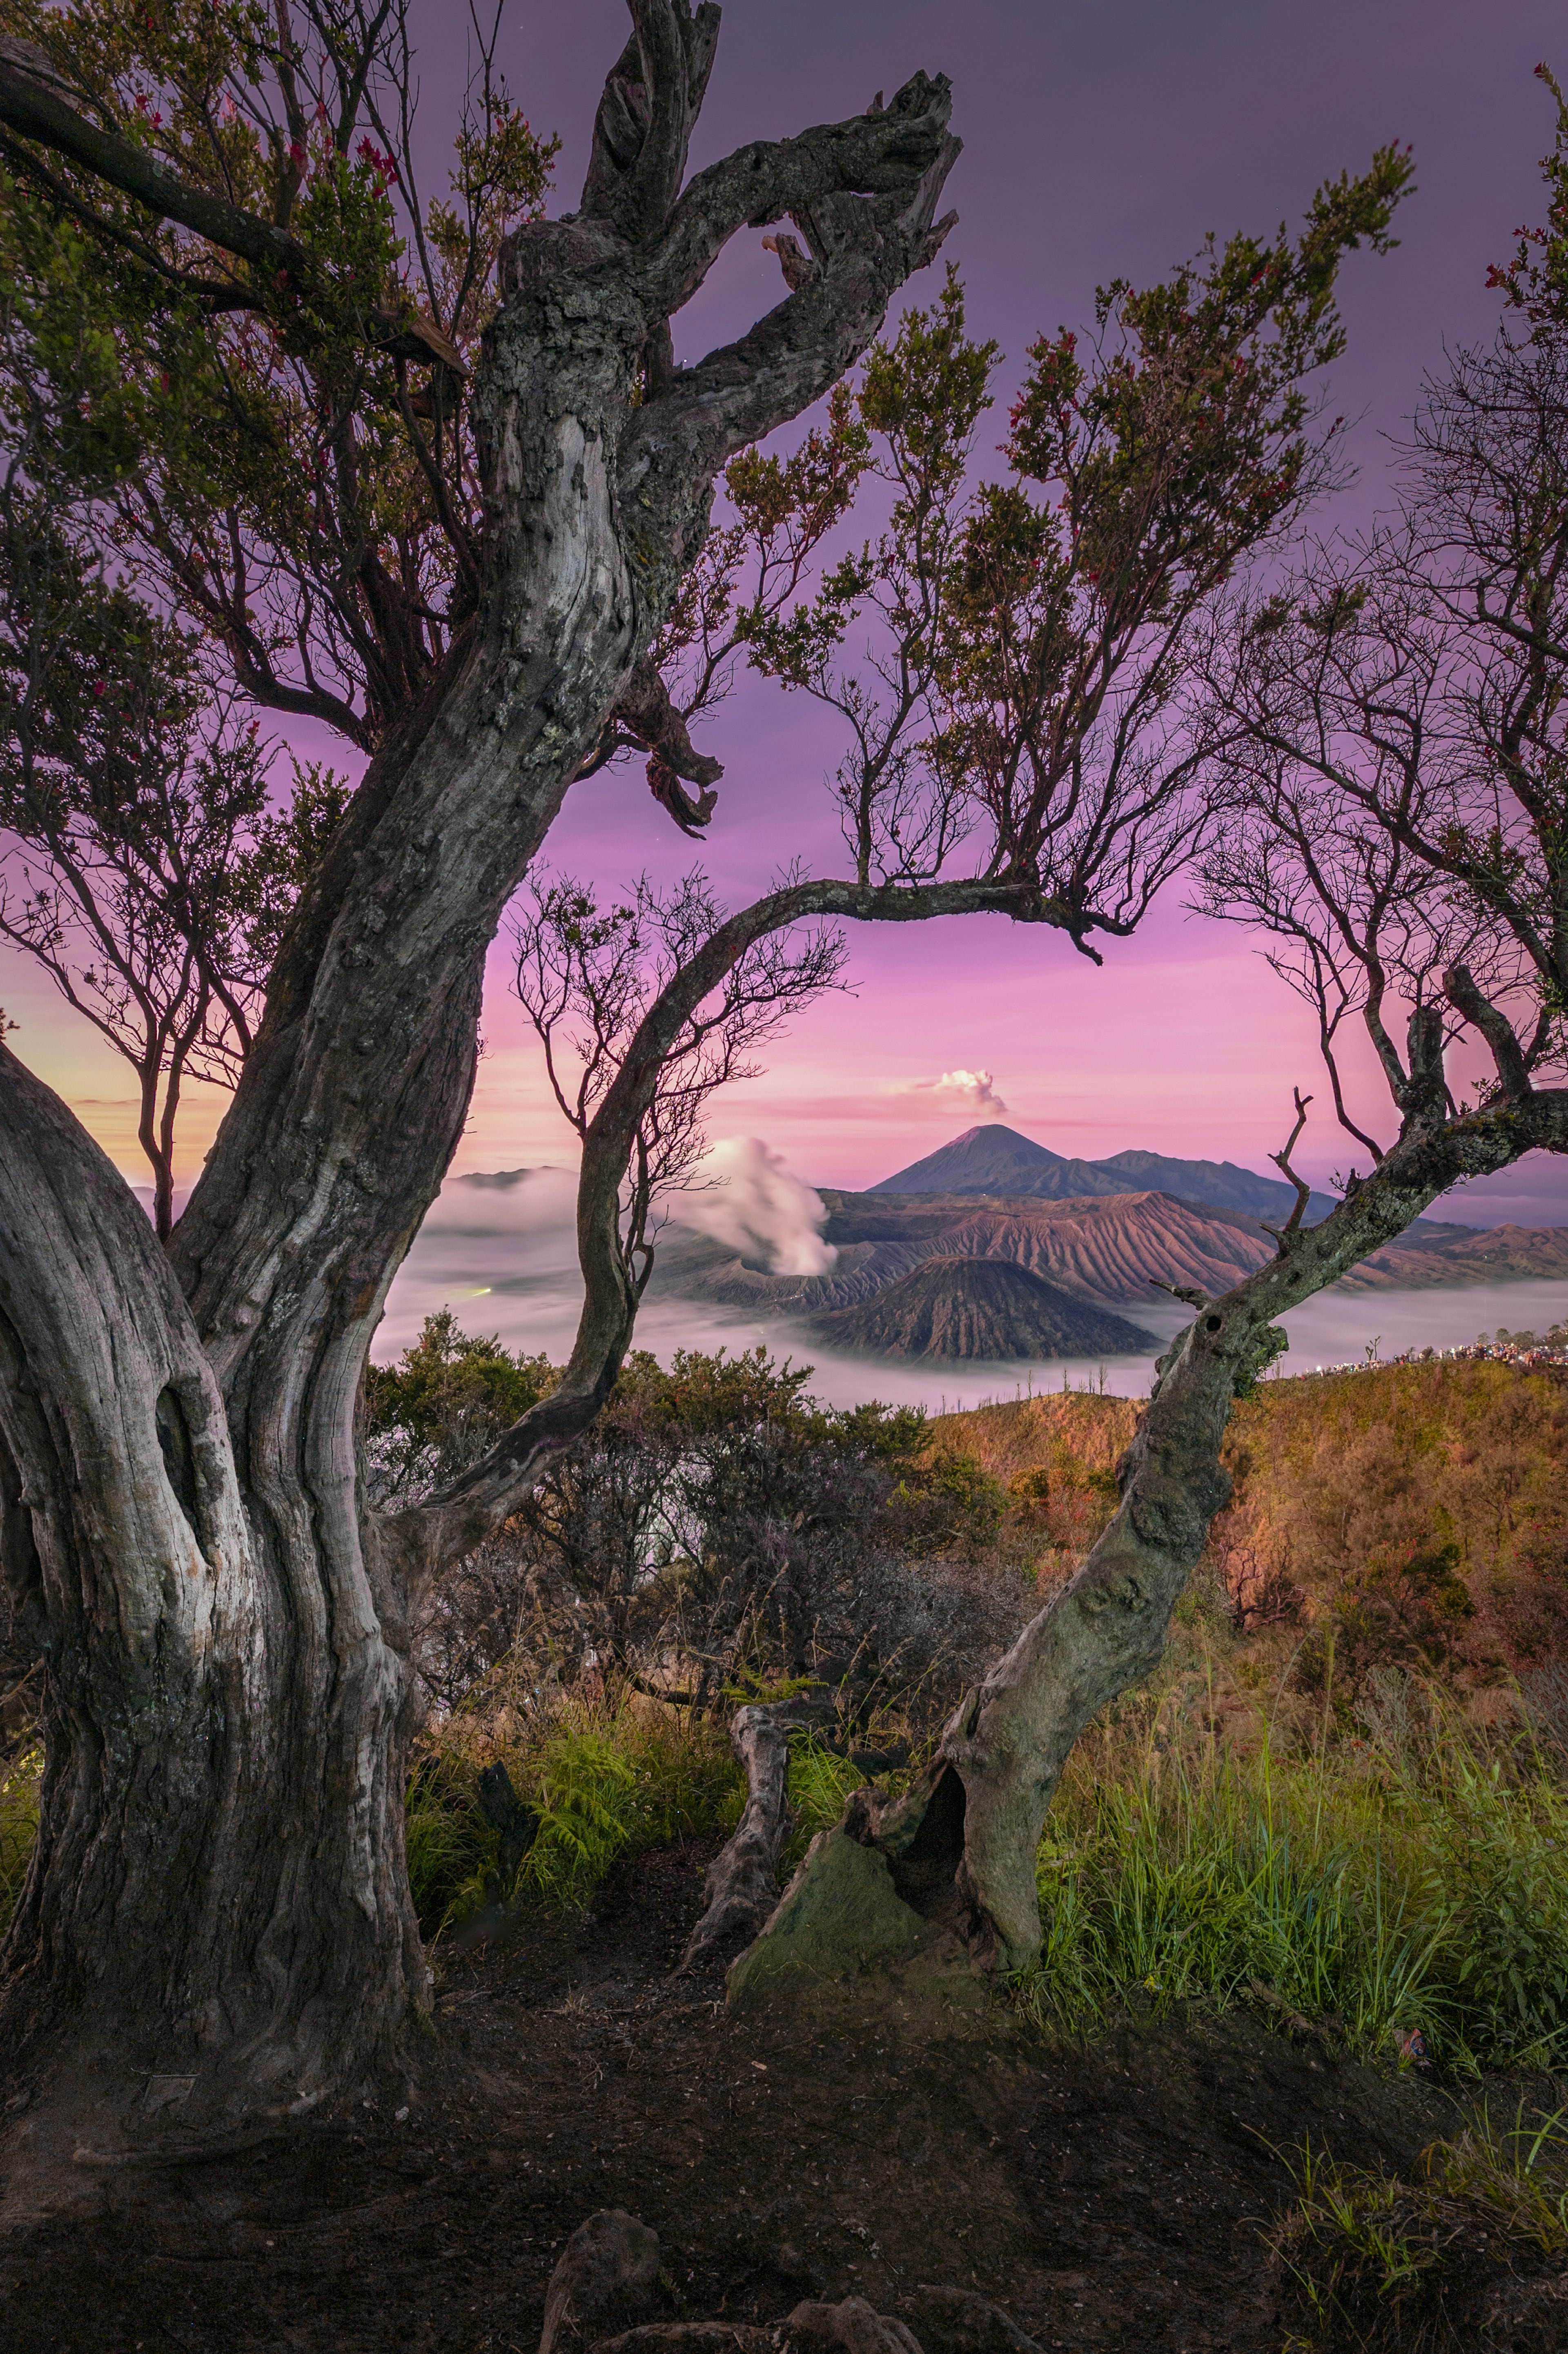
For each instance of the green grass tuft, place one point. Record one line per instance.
(1384, 1891)
(1368, 2261)
(819, 1784)
(19, 1790)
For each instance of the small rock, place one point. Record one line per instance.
(851, 2328)
(610, 2262)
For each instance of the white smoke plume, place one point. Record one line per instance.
(961, 1091)
(504, 1202)
(747, 1197)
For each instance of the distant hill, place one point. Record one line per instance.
(970, 1308)
(997, 1159)
(1221, 1183)
(1113, 1248)
(1328, 1472)
(1421, 1262)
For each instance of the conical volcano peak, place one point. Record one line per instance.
(986, 1160)
(997, 1160)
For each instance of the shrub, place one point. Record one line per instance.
(601, 1780)
(1423, 1508)
(715, 1520)
(443, 1405)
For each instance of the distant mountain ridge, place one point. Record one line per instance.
(995, 1159)
(1098, 1251)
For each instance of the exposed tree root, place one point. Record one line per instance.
(612, 2256)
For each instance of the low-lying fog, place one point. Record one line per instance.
(505, 1260)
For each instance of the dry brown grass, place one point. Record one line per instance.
(1414, 1516)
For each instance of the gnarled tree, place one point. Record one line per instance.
(1384, 742)
(218, 1892)
(218, 1889)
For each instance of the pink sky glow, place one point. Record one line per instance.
(1100, 142)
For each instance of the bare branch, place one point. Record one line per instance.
(1282, 1162)
(649, 720)
(834, 181)
(600, 972)
(32, 105)
(32, 108)
(652, 96)
(866, 245)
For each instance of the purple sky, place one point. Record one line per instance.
(1099, 141)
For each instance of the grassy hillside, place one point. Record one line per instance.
(1412, 1516)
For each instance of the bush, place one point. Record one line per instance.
(715, 1520)
(442, 1406)
(601, 1781)
(1422, 1508)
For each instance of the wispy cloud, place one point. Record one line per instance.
(970, 1091)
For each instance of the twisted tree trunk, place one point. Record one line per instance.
(218, 1915)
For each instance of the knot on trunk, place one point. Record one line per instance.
(1170, 1512)
(644, 716)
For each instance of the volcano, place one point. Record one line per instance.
(989, 1308)
(998, 1160)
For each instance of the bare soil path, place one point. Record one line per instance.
(1106, 2198)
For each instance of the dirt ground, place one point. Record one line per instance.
(1106, 2197)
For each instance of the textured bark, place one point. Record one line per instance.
(219, 1893)
(741, 1886)
(961, 1843)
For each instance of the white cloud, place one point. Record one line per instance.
(504, 1202)
(960, 1091)
(748, 1198)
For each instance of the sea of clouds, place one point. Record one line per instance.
(499, 1247)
